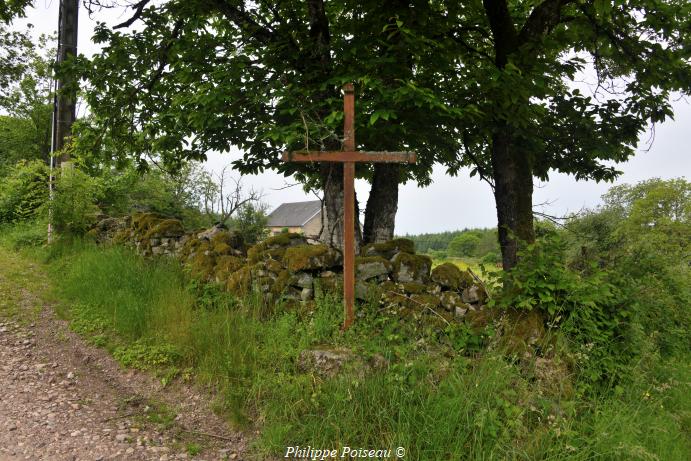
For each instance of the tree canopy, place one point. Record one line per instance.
(494, 84)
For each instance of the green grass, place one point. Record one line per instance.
(435, 402)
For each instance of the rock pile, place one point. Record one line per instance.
(287, 268)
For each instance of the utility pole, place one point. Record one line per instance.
(65, 99)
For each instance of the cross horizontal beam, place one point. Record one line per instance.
(350, 156)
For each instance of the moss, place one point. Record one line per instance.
(274, 266)
(425, 300)
(408, 267)
(333, 284)
(367, 267)
(227, 265)
(388, 249)
(240, 282)
(413, 287)
(276, 254)
(225, 242)
(123, 236)
(448, 275)
(281, 283)
(165, 228)
(142, 222)
(202, 265)
(309, 257)
(281, 241)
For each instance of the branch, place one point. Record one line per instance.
(138, 11)
(542, 19)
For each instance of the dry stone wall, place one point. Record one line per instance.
(288, 268)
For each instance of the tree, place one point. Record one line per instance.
(273, 84)
(10, 9)
(250, 222)
(27, 98)
(464, 244)
(532, 118)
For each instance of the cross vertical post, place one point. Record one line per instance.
(348, 206)
(349, 157)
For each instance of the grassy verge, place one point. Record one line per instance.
(433, 398)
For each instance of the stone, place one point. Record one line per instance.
(451, 301)
(389, 249)
(372, 267)
(325, 362)
(329, 362)
(474, 295)
(450, 277)
(310, 257)
(425, 300)
(304, 280)
(460, 311)
(306, 294)
(274, 247)
(411, 268)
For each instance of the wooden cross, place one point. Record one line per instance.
(349, 157)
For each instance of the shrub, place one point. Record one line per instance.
(23, 191)
(73, 207)
(586, 306)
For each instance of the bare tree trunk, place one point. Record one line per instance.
(382, 205)
(513, 195)
(332, 207)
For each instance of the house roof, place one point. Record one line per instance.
(294, 214)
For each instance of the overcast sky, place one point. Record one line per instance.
(449, 203)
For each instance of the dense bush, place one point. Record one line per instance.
(23, 191)
(73, 207)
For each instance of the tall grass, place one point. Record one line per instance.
(436, 404)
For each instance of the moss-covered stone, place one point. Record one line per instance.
(452, 302)
(240, 282)
(273, 266)
(274, 247)
(474, 295)
(165, 228)
(227, 265)
(478, 319)
(225, 242)
(413, 288)
(448, 275)
(202, 265)
(372, 267)
(389, 249)
(329, 284)
(142, 222)
(425, 300)
(310, 257)
(411, 268)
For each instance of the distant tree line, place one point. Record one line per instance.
(473, 243)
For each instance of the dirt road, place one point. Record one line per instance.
(63, 399)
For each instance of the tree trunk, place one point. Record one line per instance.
(380, 214)
(332, 207)
(513, 194)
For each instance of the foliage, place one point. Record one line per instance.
(27, 98)
(10, 9)
(464, 244)
(23, 191)
(282, 65)
(74, 206)
(643, 233)
(250, 222)
(587, 306)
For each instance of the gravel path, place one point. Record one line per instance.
(62, 399)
